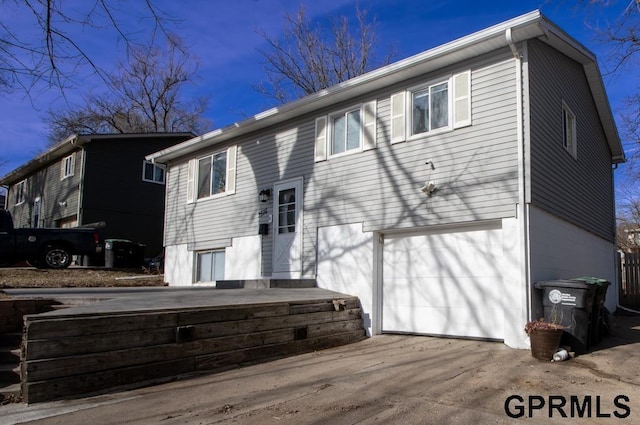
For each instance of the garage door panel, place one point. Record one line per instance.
(447, 284)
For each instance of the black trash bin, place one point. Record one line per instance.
(122, 253)
(597, 313)
(570, 304)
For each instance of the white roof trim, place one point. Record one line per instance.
(527, 26)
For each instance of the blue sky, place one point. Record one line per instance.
(223, 35)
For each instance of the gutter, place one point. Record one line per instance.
(522, 207)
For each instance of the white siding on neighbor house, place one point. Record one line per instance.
(579, 190)
(475, 173)
(561, 250)
(59, 198)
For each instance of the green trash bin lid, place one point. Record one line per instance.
(593, 280)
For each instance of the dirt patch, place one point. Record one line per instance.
(76, 277)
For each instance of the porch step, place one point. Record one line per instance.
(9, 373)
(10, 365)
(266, 283)
(11, 340)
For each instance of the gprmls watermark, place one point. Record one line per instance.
(558, 406)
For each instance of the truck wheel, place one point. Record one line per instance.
(56, 257)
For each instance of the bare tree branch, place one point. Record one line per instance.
(145, 95)
(309, 58)
(56, 57)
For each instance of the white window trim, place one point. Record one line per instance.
(164, 175)
(63, 169)
(230, 178)
(409, 108)
(571, 147)
(367, 131)
(459, 96)
(21, 199)
(196, 270)
(329, 135)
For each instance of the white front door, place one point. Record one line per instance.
(287, 229)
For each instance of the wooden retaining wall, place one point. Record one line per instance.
(73, 356)
(12, 312)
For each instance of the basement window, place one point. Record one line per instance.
(210, 266)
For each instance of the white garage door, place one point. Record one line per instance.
(445, 283)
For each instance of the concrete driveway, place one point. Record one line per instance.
(387, 379)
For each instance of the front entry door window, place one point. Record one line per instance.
(287, 255)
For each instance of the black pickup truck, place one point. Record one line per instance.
(44, 248)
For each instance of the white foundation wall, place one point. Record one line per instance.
(243, 258)
(514, 284)
(178, 265)
(560, 250)
(345, 264)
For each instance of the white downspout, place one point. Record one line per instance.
(522, 207)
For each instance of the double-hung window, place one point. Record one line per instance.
(67, 166)
(345, 132)
(212, 172)
(210, 266)
(348, 131)
(154, 173)
(440, 105)
(430, 108)
(20, 192)
(212, 175)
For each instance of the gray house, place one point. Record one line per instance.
(437, 189)
(95, 178)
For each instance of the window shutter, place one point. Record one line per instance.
(369, 126)
(462, 99)
(321, 139)
(231, 170)
(397, 118)
(191, 180)
(62, 168)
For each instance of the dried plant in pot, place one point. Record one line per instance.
(545, 338)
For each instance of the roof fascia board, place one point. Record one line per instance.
(525, 26)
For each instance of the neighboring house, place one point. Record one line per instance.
(437, 189)
(95, 178)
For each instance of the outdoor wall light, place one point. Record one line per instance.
(429, 187)
(264, 195)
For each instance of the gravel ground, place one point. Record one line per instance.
(27, 277)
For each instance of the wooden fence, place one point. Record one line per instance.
(630, 280)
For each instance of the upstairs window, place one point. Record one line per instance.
(212, 171)
(569, 140)
(345, 132)
(213, 175)
(20, 192)
(67, 166)
(154, 173)
(430, 108)
(440, 105)
(348, 131)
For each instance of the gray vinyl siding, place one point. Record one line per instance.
(58, 197)
(475, 174)
(580, 190)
